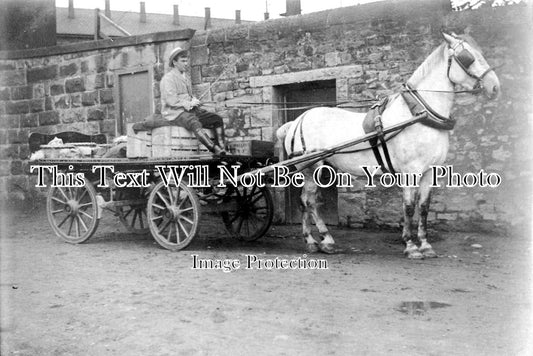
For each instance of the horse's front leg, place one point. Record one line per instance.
(309, 200)
(409, 204)
(423, 209)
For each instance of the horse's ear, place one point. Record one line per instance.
(449, 38)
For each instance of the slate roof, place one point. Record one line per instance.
(83, 22)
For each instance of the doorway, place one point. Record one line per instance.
(134, 96)
(296, 97)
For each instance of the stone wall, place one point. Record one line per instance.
(68, 88)
(368, 49)
(371, 50)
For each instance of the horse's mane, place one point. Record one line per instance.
(471, 41)
(437, 55)
(431, 61)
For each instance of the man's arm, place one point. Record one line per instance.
(175, 94)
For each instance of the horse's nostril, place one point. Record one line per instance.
(492, 92)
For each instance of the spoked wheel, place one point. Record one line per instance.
(134, 216)
(253, 213)
(173, 215)
(73, 212)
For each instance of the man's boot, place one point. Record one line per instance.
(206, 141)
(220, 138)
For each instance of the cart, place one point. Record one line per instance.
(170, 211)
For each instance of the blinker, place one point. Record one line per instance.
(465, 58)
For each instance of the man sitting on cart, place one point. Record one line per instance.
(178, 103)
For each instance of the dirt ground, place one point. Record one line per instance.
(121, 294)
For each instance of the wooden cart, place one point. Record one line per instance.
(171, 212)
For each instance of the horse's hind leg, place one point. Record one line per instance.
(310, 242)
(309, 199)
(423, 209)
(305, 198)
(409, 203)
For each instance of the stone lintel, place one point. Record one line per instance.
(305, 76)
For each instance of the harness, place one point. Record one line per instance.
(371, 123)
(418, 107)
(298, 127)
(465, 59)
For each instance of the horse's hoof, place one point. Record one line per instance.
(414, 255)
(311, 248)
(428, 253)
(327, 248)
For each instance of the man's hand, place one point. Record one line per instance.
(195, 102)
(189, 105)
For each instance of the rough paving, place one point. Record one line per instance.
(121, 294)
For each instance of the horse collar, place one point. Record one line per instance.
(417, 105)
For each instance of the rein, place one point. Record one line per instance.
(349, 104)
(465, 91)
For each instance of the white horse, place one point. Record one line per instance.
(458, 61)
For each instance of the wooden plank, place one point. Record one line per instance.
(115, 25)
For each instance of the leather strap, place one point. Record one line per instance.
(417, 105)
(298, 127)
(378, 127)
(373, 123)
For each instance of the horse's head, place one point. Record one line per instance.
(468, 68)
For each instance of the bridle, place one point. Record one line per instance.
(465, 59)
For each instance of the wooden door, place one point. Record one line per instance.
(135, 101)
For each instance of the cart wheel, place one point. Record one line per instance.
(133, 217)
(73, 212)
(253, 214)
(173, 215)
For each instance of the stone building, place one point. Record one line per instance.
(75, 24)
(348, 54)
